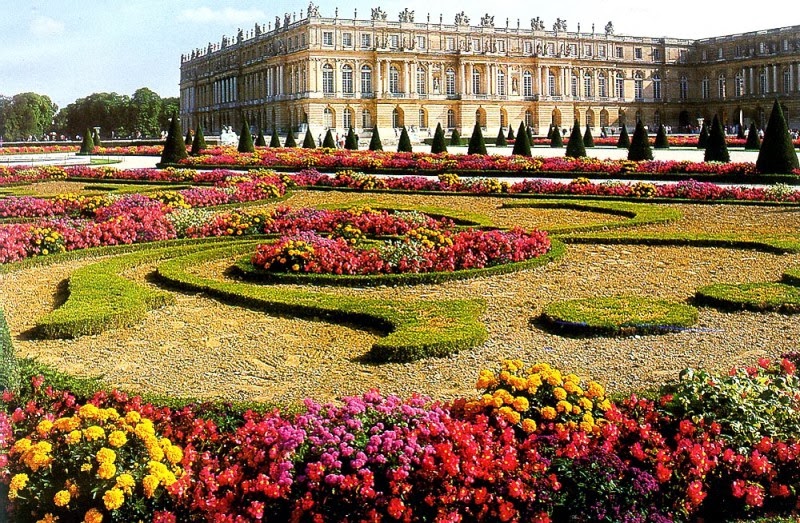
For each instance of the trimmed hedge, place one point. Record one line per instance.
(248, 271)
(618, 316)
(777, 154)
(9, 369)
(725, 241)
(414, 329)
(758, 297)
(792, 276)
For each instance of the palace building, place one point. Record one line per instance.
(343, 72)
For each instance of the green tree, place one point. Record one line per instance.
(777, 154)
(575, 147)
(661, 138)
(522, 145)
(260, 140)
(308, 140)
(476, 143)
(753, 142)
(716, 148)
(702, 140)
(199, 142)
(274, 140)
(96, 138)
(404, 145)
(624, 140)
(109, 111)
(351, 141)
(329, 142)
(174, 148)
(500, 141)
(145, 112)
(188, 139)
(438, 145)
(510, 132)
(290, 141)
(640, 145)
(27, 114)
(87, 146)
(455, 138)
(588, 139)
(375, 142)
(245, 139)
(556, 139)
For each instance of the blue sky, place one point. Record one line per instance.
(70, 49)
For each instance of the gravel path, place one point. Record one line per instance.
(204, 349)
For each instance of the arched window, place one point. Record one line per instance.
(657, 86)
(451, 119)
(787, 81)
(528, 118)
(327, 118)
(501, 82)
(587, 85)
(590, 118)
(476, 81)
(721, 90)
(422, 77)
(347, 118)
(656, 120)
(619, 85)
(423, 119)
(527, 84)
(602, 86)
(366, 119)
(705, 88)
(684, 88)
(503, 119)
(327, 79)
(347, 79)
(450, 82)
(762, 81)
(479, 118)
(394, 80)
(638, 86)
(739, 85)
(551, 83)
(397, 118)
(366, 79)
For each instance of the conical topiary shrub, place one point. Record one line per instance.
(308, 140)
(740, 132)
(550, 132)
(275, 140)
(404, 145)
(199, 142)
(575, 147)
(661, 138)
(640, 145)
(455, 138)
(624, 141)
(753, 142)
(555, 138)
(260, 140)
(351, 141)
(476, 143)
(588, 139)
(522, 145)
(438, 145)
(188, 140)
(87, 145)
(290, 141)
(702, 140)
(777, 154)
(500, 141)
(174, 147)
(96, 139)
(375, 142)
(510, 133)
(716, 148)
(245, 139)
(328, 142)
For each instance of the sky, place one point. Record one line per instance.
(71, 49)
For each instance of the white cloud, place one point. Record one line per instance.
(44, 26)
(228, 15)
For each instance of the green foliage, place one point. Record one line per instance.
(404, 145)
(87, 146)
(438, 145)
(455, 138)
(618, 316)
(96, 138)
(777, 154)
(575, 147)
(245, 139)
(661, 138)
(476, 143)
(199, 143)
(640, 145)
(556, 140)
(792, 276)
(308, 140)
(329, 142)
(702, 140)
(522, 145)
(275, 140)
(375, 142)
(500, 141)
(261, 141)
(9, 370)
(188, 139)
(28, 114)
(588, 139)
(759, 297)
(174, 148)
(624, 141)
(510, 132)
(716, 148)
(351, 141)
(753, 142)
(290, 141)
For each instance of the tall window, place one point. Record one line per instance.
(347, 40)
(366, 40)
(450, 82)
(657, 86)
(684, 88)
(479, 118)
(397, 119)
(527, 84)
(451, 119)
(366, 79)
(739, 85)
(721, 89)
(619, 85)
(656, 119)
(705, 88)
(573, 85)
(528, 118)
(422, 76)
(476, 81)
(347, 118)
(366, 119)
(347, 79)
(762, 82)
(501, 82)
(503, 122)
(423, 119)
(587, 85)
(551, 83)
(327, 38)
(602, 89)
(327, 79)
(327, 117)
(787, 81)
(394, 80)
(638, 86)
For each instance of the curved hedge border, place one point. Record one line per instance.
(459, 216)
(758, 297)
(618, 316)
(792, 276)
(245, 269)
(726, 241)
(9, 368)
(414, 329)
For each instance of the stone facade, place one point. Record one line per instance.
(340, 72)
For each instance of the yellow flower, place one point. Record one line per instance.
(586, 403)
(61, 499)
(66, 424)
(559, 394)
(174, 454)
(106, 470)
(604, 405)
(528, 425)
(149, 484)
(117, 439)
(156, 453)
(572, 378)
(521, 404)
(510, 415)
(106, 455)
(72, 488)
(595, 390)
(94, 432)
(48, 518)
(21, 445)
(18, 483)
(133, 417)
(89, 411)
(548, 413)
(86, 467)
(73, 437)
(564, 406)
(113, 499)
(126, 483)
(534, 382)
(111, 414)
(576, 409)
(93, 516)
(44, 427)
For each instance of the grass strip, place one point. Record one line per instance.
(769, 244)
(414, 329)
(9, 369)
(792, 276)
(618, 316)
(758, 297)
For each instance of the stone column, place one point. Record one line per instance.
(463, 79)
(412, 88)
(386, 79)
(791, 77)
(744, 81)
(468, 80)
(377, 87)
(357, 80)
(752, 89)
(538, 82)
(775, 87)
(546, 80)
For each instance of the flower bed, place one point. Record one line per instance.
(536, 445)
